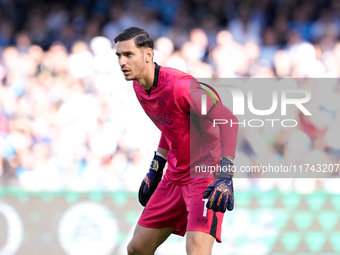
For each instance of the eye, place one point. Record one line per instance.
(129, 54)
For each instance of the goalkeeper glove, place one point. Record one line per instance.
(151, 180)
(221, 191)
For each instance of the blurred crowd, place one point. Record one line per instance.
(69, 120)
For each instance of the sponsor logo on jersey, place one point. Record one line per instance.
(160, 119)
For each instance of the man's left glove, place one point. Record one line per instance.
(221, 191)
(151, 180)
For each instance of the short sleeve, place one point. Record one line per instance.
(163, 143)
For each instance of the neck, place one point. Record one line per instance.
(147, 80)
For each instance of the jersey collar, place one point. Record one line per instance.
(155, 79)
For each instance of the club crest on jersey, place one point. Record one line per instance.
(142, 101)
(161, 102)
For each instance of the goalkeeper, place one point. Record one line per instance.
(176, 203)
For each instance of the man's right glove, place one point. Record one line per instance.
(221, 191)
(151, 180)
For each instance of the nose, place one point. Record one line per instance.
(121, 61)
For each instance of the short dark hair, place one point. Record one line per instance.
(142, 38)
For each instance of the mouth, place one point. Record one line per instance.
(125, 72)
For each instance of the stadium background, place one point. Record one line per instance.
(75, 144)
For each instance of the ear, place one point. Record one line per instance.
(148, 55)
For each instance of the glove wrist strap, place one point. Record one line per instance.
(160, 155)
(158, 163)
(226, 169)
(225, 176)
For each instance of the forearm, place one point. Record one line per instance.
(163, 147)
(231, 158)
(162, 151)
(228, 133)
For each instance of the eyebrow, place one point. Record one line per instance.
(123, 53)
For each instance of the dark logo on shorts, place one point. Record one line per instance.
(199, 219)
(161, 102)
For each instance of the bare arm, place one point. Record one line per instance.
(163, 147)
(162, 151)
(228, 157)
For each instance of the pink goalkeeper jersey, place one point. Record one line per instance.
(190, 139)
